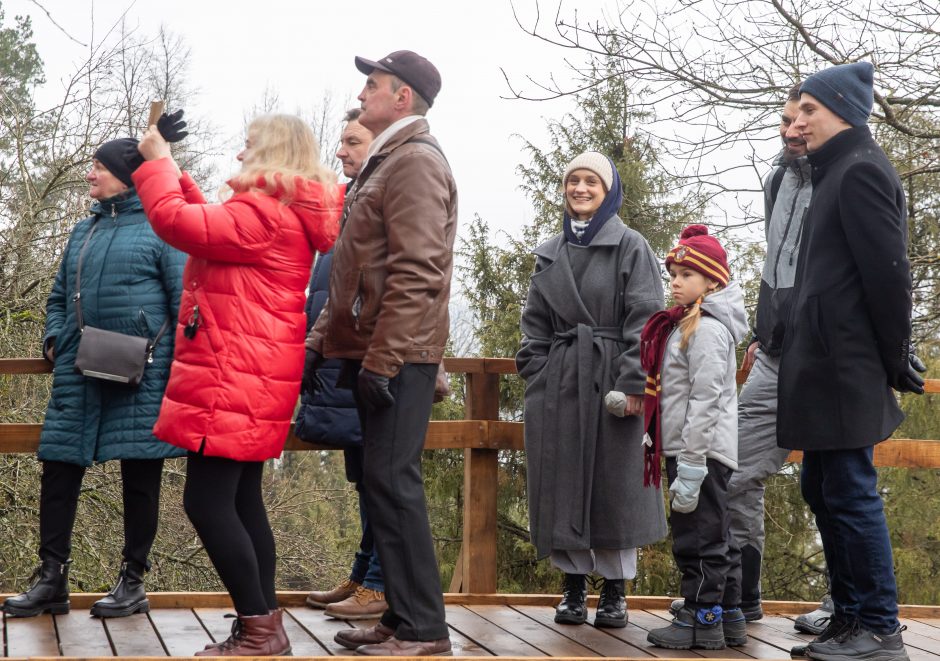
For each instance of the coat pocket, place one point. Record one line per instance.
(817, 327)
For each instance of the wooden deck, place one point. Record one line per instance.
(480, 625)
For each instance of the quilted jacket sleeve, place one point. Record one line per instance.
(240, 230)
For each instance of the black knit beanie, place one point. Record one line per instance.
(120, 157)
(847, 90)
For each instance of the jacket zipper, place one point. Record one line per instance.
(786, 230)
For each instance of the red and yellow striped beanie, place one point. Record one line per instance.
(700, 252)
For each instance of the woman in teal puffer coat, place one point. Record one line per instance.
(130, 283)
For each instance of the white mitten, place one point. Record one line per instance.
(686, 487)
(616, 403)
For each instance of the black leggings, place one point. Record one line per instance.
(58, 502)
(223, 499)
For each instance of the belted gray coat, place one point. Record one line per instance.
(581, 334)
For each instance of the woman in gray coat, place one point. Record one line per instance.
(595, 285)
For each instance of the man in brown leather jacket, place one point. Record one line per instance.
(387, 317)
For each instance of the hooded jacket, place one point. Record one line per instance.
(699, 398)
(784, 215)
(236, 373)
(131, 283)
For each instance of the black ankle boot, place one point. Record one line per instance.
(49, 592)
(612, 605)
(127, 596)
(573, 606)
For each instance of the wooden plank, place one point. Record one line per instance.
(214, 621)
(302, 643)
(180, 630)
(134, 635)
(543, 638)
(456, 579)
(499, 365)
(934, 623)
(81, 635)
(506, 435)
(31, 636)
(487, 635)
(25, 366)
(464, 365)
(595, 640)
(19, 437)
(321, 628)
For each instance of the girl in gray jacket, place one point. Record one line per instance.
(691, 410)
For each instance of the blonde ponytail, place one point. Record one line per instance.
(689, 322)
(693, 315)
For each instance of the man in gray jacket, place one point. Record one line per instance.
(787, 193)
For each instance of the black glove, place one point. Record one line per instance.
(171, 126)
(311, 383)
(910, 379)
(373, 390)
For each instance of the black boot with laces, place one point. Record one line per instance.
(612, 605)
(573, 606)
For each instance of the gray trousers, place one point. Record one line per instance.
(758, 458)
(612, 564)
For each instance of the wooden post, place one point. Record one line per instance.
(478, 552)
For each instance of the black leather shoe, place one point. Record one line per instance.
(127, 596)
(49, 592)
(612, 605)
(573, 606)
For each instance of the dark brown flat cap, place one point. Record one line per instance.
(417, 72)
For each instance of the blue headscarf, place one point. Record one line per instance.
(607, 210)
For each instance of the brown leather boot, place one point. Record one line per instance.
(342, 591)
(364, 604)
(260, 635)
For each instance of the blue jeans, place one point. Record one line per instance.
(366, 568)
(840, 487)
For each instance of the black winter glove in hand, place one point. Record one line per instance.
(312, 384)
(373, 390)
(171, 126)
(910, 379)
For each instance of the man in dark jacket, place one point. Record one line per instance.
(329, 416)
(846, 345)
(387, 317)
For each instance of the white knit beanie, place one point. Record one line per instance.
(594, 161)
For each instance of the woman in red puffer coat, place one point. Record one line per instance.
(240, 344)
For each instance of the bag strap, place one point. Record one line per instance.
(775, 183)
(78, 293)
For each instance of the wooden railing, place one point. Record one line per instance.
(481, 435)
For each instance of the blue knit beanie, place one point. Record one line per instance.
(847, 90)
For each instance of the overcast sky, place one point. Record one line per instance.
(302, 48)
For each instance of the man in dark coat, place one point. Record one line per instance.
(846, 345)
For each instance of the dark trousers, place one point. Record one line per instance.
(702, 545)
(222, 498)
(393, 439)
(840, 487)
(60, 486)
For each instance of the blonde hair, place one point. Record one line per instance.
(283, 147)
(693, 315)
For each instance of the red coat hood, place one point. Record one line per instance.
(317, 207)
(318, 210)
